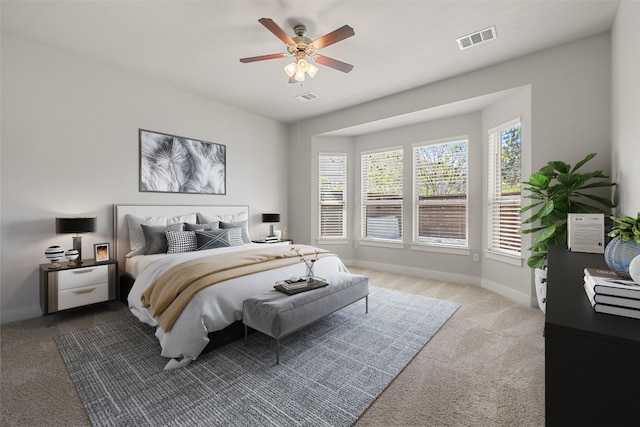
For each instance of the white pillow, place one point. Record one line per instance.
(229, 218)
(137, 241)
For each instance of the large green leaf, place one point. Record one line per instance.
(583, 161)
(538, 180)
(560, 166)
(537, 260)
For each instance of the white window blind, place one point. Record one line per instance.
(382, 192)
(504, 188)
(440, 171)
(333, 195)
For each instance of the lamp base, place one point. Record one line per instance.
(77, 245)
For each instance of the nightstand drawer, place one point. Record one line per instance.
(79, 277)
(77, 297)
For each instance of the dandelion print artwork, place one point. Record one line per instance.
(173, 164)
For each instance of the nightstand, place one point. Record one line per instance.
(72, 286)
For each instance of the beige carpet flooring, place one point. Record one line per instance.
(485, 367)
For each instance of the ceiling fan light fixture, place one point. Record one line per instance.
(312, 71)
(299, 76)
(291, 69)
(303, 65)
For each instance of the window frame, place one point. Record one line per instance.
(495, 249)
(398, 203)
(431, 242)
(343, 203)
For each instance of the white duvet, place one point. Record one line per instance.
(214, 307)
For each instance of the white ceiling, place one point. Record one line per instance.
(196, 45)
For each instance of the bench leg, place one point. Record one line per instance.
(277, 351)
(245, 332)
(366, 304)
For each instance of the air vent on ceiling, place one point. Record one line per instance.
(476, 38)
(306, 97)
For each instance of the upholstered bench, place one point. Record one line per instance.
(276, 314)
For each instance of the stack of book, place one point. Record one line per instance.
(608, 293)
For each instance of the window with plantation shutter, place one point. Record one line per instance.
(440, 171)
(382, 190)
(504, 188)
(333, 195)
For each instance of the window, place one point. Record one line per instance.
(504, 188)
(332, 171)
(440, 170)
(382, 195)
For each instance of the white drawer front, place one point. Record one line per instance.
(78, 277)
(77, 297)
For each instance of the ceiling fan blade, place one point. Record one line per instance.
(333, 37)
(277, 31)
(263, 57)
(333, 63)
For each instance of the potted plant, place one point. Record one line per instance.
(558, 189)
(625, 245)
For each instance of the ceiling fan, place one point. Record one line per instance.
(303, 49)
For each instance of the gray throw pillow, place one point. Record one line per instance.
(155, 239)
(242, 225)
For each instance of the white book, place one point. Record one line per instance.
(610, 299)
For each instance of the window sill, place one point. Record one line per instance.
(336, 241)
(441, 249)
(382, 244)
(507, 259)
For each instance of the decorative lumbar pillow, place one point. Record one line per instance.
(206, 226)
(212, 239)
(180, 241)
(242, 225)
(156, 240)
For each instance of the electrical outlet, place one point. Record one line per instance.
(476, 257)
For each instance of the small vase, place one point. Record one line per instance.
(634, 269)
(310, 272)
(618, 255)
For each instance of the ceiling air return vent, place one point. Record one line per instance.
(476, 38)
(306, 97)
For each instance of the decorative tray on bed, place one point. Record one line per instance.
(291, 287)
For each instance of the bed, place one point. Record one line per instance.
(139, 233)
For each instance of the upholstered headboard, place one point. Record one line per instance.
(121, 228)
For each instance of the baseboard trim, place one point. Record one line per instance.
(519, 297)
(419, 272)
(22, 313)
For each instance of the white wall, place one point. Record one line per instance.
(626, 106)
(570, 116)
(70, 146)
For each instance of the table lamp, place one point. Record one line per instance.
(76, 225)
(271, 218)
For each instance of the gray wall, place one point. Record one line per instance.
(569, 114)
(626, 106)
(70, 146)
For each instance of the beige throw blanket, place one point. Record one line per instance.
(170, 294)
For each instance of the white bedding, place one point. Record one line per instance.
(214, 307)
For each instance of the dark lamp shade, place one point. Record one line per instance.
(76, 225)
(270, 217)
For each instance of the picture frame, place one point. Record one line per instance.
(175, 164)
(101, 252)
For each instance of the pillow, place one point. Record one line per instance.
(242, 225)
(235, 236)
(137, 242)
(206, 226)
(211, 239)
(180, 241)
(156, 241)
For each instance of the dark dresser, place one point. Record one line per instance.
(592, 360)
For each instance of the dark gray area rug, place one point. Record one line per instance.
(329, 372)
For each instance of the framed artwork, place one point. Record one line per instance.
(174, 164)
(101, 252)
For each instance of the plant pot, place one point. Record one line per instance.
(541, 287)
(618, 255)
